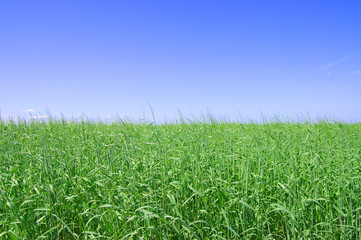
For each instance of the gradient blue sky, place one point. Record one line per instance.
(230, 58)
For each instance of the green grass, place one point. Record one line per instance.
(87, 180)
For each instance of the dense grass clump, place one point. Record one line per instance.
(61, 180)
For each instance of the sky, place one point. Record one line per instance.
(232, 59)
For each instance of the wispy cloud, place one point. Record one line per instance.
(330, 65)
(356, 72)
(340, 60)
(30, 110)
(349, 56)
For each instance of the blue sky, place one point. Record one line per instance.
(230, 58)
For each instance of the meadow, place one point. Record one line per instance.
(202, 180)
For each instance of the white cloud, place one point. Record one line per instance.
(30, 110)
(39, 117)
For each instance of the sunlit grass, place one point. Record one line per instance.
(67, 180)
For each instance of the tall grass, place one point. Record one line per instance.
(67, 180)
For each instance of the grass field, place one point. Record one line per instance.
(67, 180)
